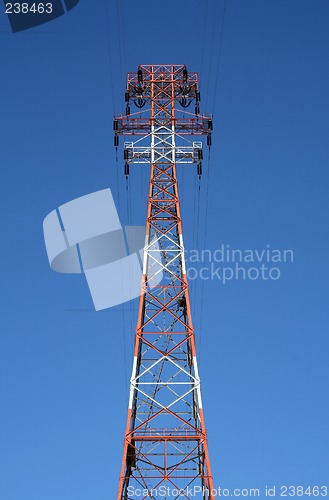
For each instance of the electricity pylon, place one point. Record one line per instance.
(165, 443)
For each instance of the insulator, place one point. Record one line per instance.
(126, 169)
(185, 90)
(197, 110)
(116, 141)
(209, 141)
(140, 76)
(199, 169)
(184, 102)
(127, 110)
(200, 154)
(115, 125)
(185, 75)
(140, 102)
(197, 96)
(181, 302)
(210, 124)
(127, 96)
(125, 154)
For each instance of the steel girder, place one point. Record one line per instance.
(165, 444)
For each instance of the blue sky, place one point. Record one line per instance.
(263, 345)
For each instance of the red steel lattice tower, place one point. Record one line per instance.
(165, 443)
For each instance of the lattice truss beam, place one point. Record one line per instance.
(165, 441)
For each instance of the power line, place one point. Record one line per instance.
(107, 18)
(219, 54)
(212, 51)
(119, 40)
(205, 240)
(203, 38)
